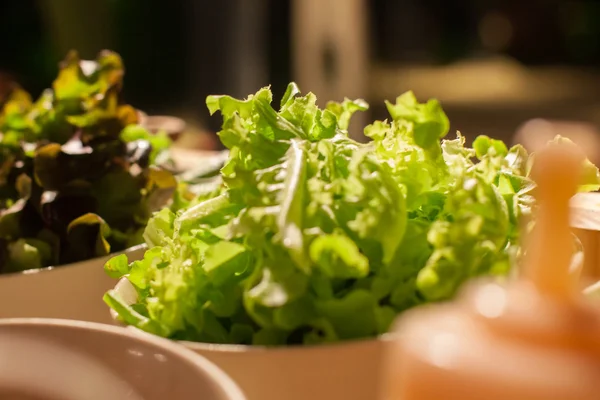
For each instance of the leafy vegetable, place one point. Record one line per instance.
(313, 237)
(76, 175)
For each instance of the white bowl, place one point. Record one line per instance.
(349, 371)
(73, 360)
(71, 291)
(172, 126)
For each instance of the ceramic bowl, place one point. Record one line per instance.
(172, 126)
(585, 220)
(49, 359)
(349, 371)
(71, 291)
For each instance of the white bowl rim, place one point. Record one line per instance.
(73, 264)
(248, 348)
(229, 387)
(245, 348)
(176, 122)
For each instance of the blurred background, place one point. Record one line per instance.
(493, 64)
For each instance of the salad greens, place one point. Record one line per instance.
(76, 174)
(312, 237)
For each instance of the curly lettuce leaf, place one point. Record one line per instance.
(311, 237)
(87, 81)
(91, 184)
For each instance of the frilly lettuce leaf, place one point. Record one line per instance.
(311, 237)
(77, 174)
(87, 81)
(14, 109)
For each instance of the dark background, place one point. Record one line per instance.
(178, 51)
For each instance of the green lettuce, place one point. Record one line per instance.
(312, 237)
(77, 173)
